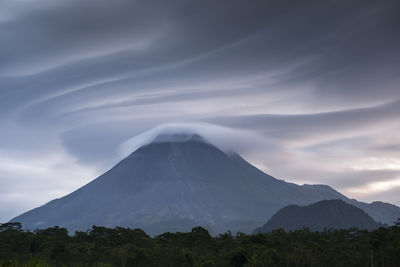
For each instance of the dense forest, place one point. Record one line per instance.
(102, 246)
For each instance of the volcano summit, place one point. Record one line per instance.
(181, 181)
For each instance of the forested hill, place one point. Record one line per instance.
(126, 247)
(335, 214)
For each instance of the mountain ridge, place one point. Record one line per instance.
(174, 186)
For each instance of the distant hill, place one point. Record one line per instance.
(180, 181)
(325, 214)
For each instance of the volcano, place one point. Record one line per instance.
(174, 184)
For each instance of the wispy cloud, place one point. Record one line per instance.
(318, 79)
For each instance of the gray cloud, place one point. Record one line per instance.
(80, 78)
(335, 123)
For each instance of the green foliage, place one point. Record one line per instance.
(102, 246)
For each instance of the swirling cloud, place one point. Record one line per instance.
(313, 86)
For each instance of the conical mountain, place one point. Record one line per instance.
(174, 184)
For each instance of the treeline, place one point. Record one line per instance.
(102, 246)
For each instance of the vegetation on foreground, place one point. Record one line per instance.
(102, 246)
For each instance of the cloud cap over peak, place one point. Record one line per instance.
(307, 91)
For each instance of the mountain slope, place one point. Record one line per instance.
(174, 185)
(326, 214)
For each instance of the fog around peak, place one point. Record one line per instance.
(227, 139)
(308, 91)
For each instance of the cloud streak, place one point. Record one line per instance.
(310, 88)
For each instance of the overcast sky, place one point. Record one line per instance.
(308, 91)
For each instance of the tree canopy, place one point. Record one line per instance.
(101, 246)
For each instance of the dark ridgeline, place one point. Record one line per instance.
(320, 216)
(178, 182)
